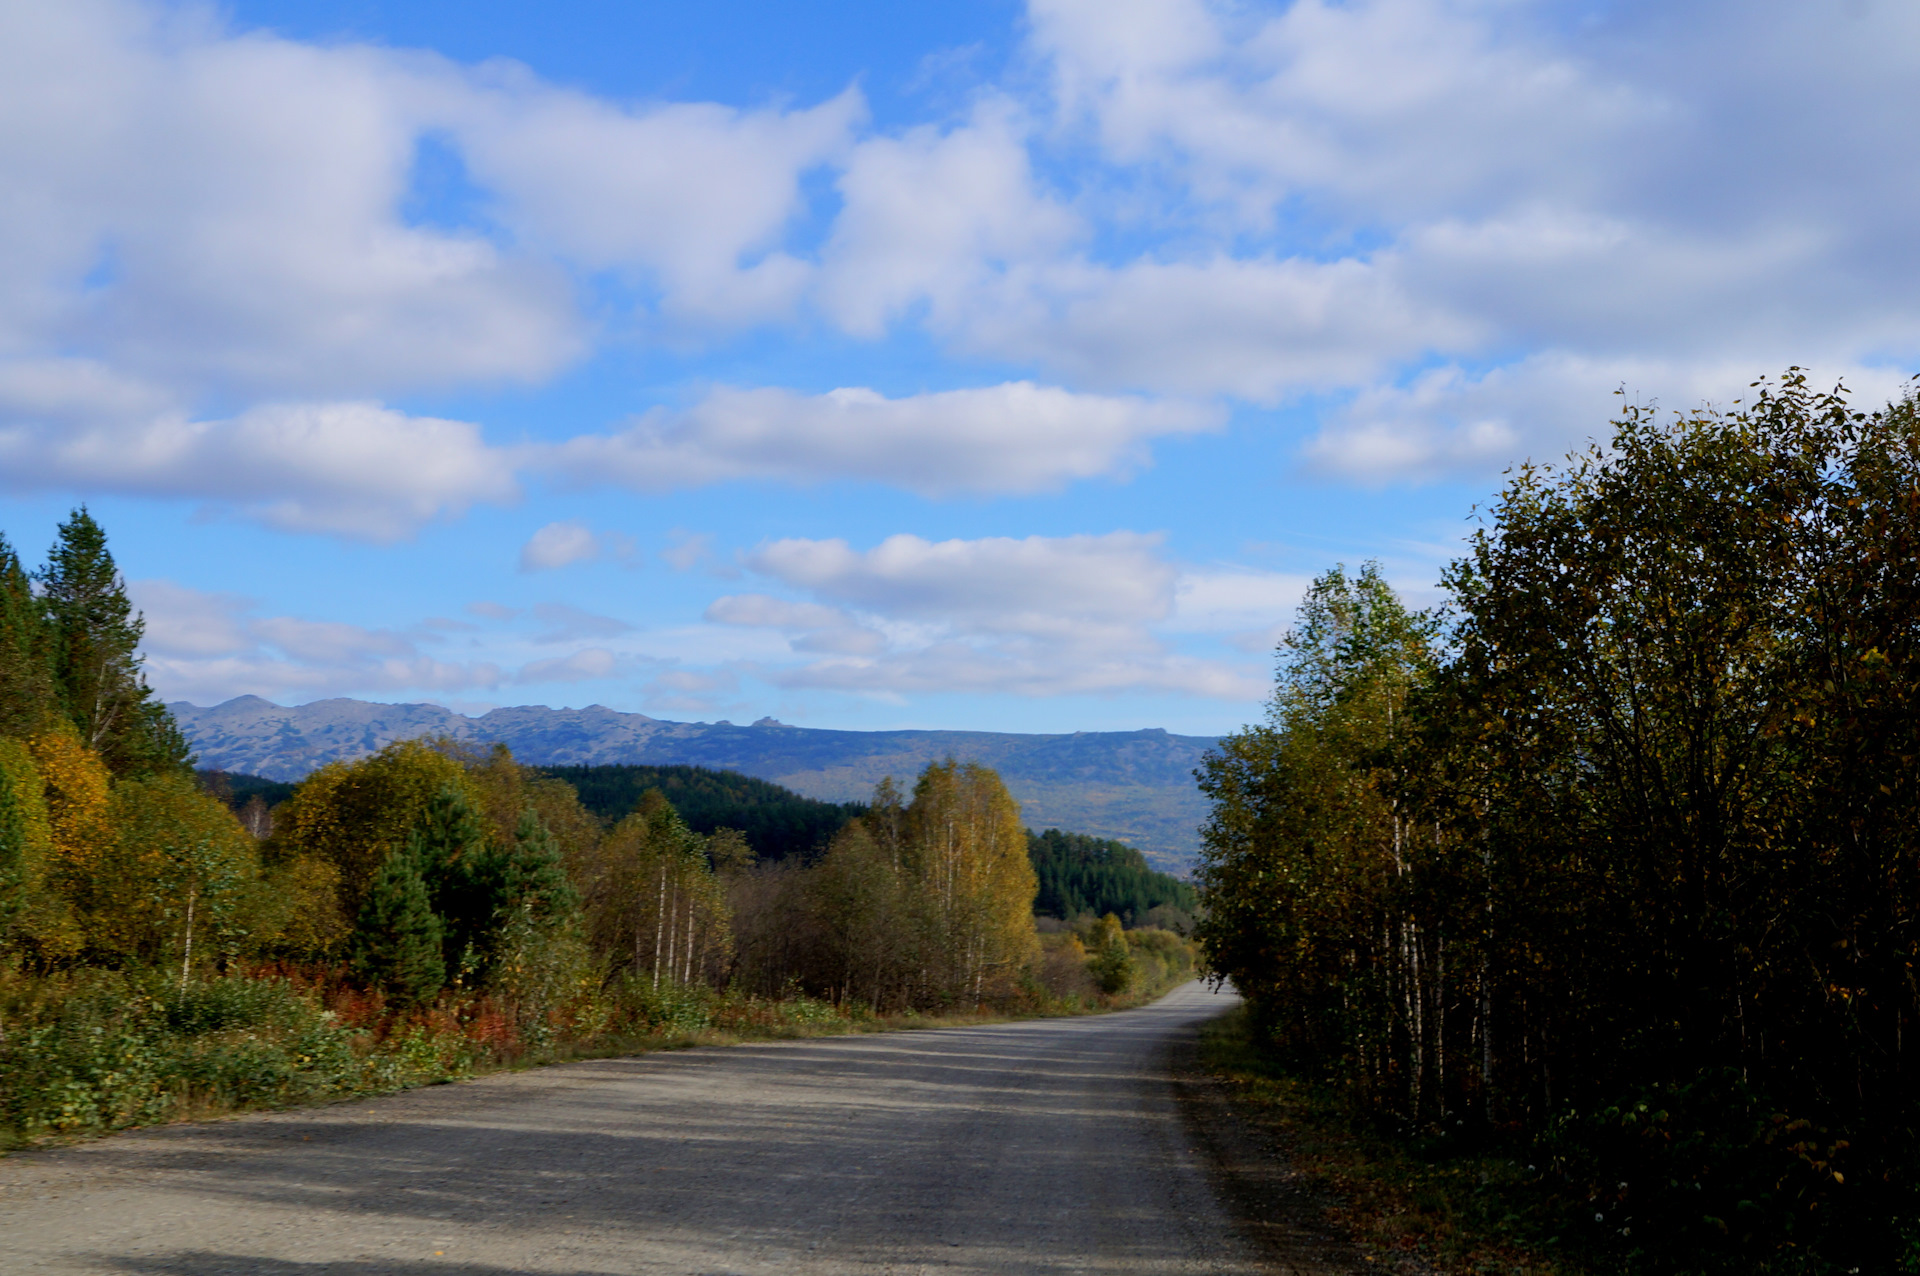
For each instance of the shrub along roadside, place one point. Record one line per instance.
(1430, 1206)
(97, 1051)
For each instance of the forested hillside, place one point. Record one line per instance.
(1610, 866)
(1136, 786)
(776, 821)
(1081, 875)
(173, 942)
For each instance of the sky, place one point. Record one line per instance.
(948, 365)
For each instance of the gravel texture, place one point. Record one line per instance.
(1052, 1145)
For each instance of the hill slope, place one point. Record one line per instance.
(1135, 786)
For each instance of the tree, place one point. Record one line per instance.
(26, 679)
(463, 876)
(93, 641)
(173, 880)
(972, 880)
(355, 815)
(654, 899)
(397, 939)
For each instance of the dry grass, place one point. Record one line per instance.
(1412, 1209)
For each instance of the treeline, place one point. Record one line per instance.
(170, 939)
(776, 821)
(1612, 861)
(1091, 876)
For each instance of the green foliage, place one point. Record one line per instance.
(397, 938)
(1108, 959)
(1080, 874)
(93, 643)
(777, 822)
(1627, 877)
(26, 675)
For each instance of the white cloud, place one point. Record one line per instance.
(1038, 584)
(352, 469)
(686, 192)
(559, 545)
(1039, 616)
(586, 665)
(931, 217)
(1447, 421)
(208, 647)
(1016, 437)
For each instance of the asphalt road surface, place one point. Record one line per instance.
(1046, 1146)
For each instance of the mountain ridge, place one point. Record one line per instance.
(1134, 786)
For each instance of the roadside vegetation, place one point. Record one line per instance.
(1607, 868)
(174, 944)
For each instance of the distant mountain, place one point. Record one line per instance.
(1135, 786)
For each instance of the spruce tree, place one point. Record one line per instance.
(26, 680)
(397, 938)
(94, 638)
(465, 877)
(534, 877)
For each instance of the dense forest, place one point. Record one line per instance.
(776, 821)
(1081, 875)
(1611, 862)
(177, 941)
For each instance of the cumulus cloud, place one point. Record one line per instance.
(210, 647)
(1016, 437)
(693, 194)
(1039, 616)
(559, 545)
(933, 218)
(1447, 421)
(352, 469)
(1495, 188)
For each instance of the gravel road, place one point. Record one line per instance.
(1046, 1146)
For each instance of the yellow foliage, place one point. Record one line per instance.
(75, 782)
(176, 853)
(44, 924)
(22, 779)
(975, 878)
(298, 908)
(353, 815)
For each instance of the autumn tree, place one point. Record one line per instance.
(354, 815)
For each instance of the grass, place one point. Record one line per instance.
(98, 1051)
(1426, 1206)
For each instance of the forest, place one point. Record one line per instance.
(174, 942)
(1608, 864)
(1081, 875)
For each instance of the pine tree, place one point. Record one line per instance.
(397, 939)
(26, 681)
(94, 649)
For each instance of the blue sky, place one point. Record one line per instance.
(950, 365)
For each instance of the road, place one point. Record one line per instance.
(1045, 1146)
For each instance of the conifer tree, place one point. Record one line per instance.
(462, 874)
(533, 877)
(397, 939)
(94, 636)
(26, 681)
